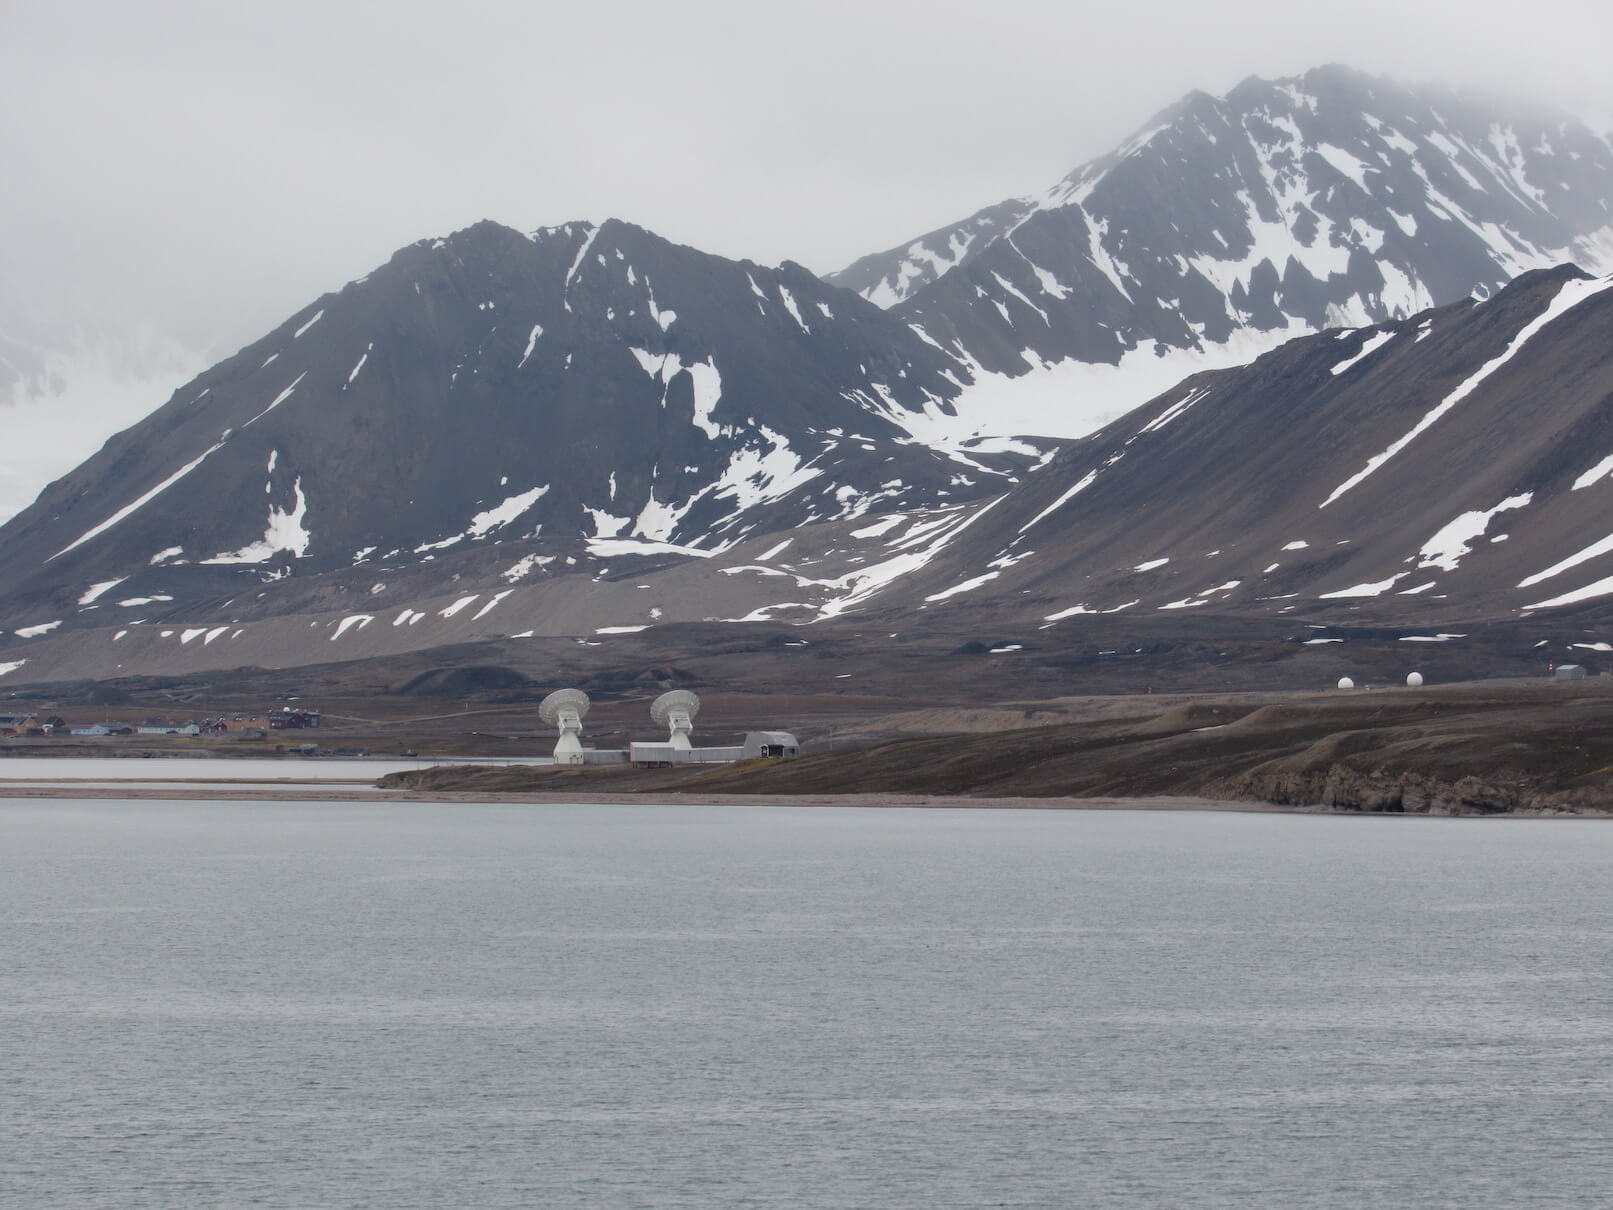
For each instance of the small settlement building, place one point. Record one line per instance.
(287, 719)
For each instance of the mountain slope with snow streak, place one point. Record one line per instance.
(1450, 466)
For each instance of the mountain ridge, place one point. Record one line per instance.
(591, 431)
(493, 384)
(1165, 523)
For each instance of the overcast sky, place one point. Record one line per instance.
(214, 166)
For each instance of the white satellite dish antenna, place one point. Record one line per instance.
(566, 708)
(677, 709)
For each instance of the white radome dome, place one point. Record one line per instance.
(1346, 683)
(1414, 679)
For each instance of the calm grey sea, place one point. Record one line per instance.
(304, 1005)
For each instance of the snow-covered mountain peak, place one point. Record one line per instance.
(1226, 225)
(1274, 197)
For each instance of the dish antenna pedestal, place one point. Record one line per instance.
(677, 711)
(566, 708)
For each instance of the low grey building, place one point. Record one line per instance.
(770, 743)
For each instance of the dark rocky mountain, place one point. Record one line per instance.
(1287, 206)
(586, 382)
(1413, 481)
(590, 434)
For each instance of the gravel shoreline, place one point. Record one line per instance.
(242, 792)
(311, 792)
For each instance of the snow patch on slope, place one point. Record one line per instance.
(1594, 551)
(94, 591)
(610, 548)
(360, 620)
(531, 343)
(1600, 588)
(277, 400)
(1597, 473)
(284, 532)
(1370, 346)
(756, 476)
(1375, 589)
(362, 358)
(795, 311)
(1071, 399)
(1064, 499)
(500, 515)
(1446, 549)
(916, 550)
(703, 376)
(484, 523)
